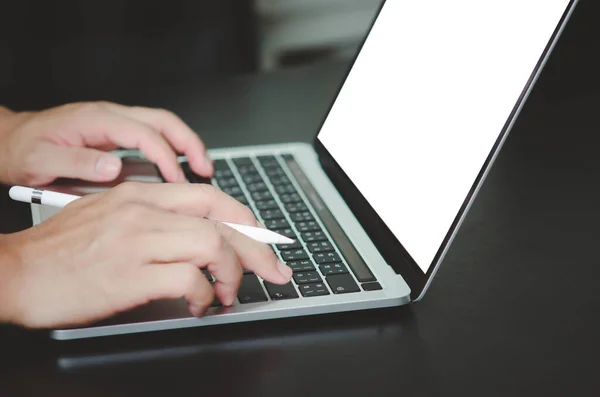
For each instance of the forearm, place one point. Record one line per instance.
(7, 121)
(6, 278)
(5, 116)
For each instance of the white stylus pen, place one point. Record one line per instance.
(55, 199)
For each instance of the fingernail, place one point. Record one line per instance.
(108, 165)
(285, 270)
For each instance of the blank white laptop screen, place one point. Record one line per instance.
(425, 101)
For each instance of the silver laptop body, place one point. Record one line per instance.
(378, 267)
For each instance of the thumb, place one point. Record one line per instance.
(82, 163)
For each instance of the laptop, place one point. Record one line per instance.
(375, 201)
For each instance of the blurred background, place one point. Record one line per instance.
(53, 52)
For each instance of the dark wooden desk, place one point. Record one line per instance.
(514, 310)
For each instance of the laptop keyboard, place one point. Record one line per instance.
(262, 184)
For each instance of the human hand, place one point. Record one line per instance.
(110, 252)
(71, 141)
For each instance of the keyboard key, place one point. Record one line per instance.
(307, 277)
(221, 165)
(268, 161)
(305, 216)
(192, 177)
(323, 258)
(296, 207)
(257, 187)
(286, 247)
(280, 180)
(322, 246)
(280, 292)
(251, 291)
(252, 178)
(249, 169)
(333, 268)
(294, 255)
(220, 174)
(310, 226)
(241, 161)
(242, 199)
(272, 214)
(304, 265)
(371, 286)
(233, 191)
(274, 172)
(311, 237)
(277, 224)
(342, 283)
(262, 196)
(290, 198)
(227, 182)
(264, 205)
(285, 189)
(287, 232)
(246, 271)
(309, 290)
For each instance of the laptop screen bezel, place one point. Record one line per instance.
(391, 249)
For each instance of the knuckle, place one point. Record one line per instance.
(103, 104)
(215, 241)
(86, 108)
(131, 212)
(126, 189)
(165, 112)
(209, 192)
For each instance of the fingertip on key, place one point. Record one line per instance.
(284, 270)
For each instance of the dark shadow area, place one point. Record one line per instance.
(61, 51)
(573, 70)
(264, 358)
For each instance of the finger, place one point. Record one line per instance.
(176, 132)
(258, 258)
(199, 200)
(203, 247)
(102, 128)
(174, 281)
(79, 163)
